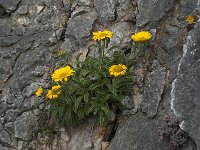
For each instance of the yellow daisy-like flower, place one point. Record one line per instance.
(39, 91)
(141, 36)
(100, 35)
(62, 74)
(118, 70)
(108, 33)
(190, 19)
(54, 92)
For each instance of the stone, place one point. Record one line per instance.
(30, 90)
(70, 44)
(9, 40)
(126, 11)
(128, 102)
(6, 148)
(85, 2)
(80, 10)
(9, 5)
(81, 26)
(137, 133)
(41, 106)
(5, 137)
(187, 7)
(106, 10)
(79, 30)
(153, 89)
(39, 71)
(148, 10)
(37, 112)
(5, 68)
(23, 10)
(24, 125)
(185, 94)
(11, 115)
(122, 31)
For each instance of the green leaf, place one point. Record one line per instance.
(77, 103)
(95, 85)
(94, 106)
(101, 118)
(106, 110)
(86, 97)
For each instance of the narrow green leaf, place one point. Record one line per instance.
(86, 97)
(77, 103)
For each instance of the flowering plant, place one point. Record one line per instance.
(94, 86)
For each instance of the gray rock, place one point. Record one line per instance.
(70, 44)
(106, 10)
(154, 86)
(122, 32)
(128, 102)
(9, 5)
(85, 2)
(152, 10)
(29, 90)
(187, 7)
(37, 112)
(5, 69)
(11, 115)
(22, 10)
(126, 11)
(80, 10)
(82, 25)
(185, 94)
(137, 133)
(39, 71)
(79, 30)
(5, 137)
(24, 125)
(9, 40)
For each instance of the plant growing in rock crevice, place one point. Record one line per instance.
(171, 132)
(96, 85)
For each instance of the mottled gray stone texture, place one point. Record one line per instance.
(185, 100)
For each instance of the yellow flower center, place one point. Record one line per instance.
(190, 19)
(117, 70)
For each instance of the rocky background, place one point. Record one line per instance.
(167, 88)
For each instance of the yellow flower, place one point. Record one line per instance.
(54, 92)
(190, 19)
(100, 35)
(118, 70)
(39, 91)
(108, 33)
(141, 36)
(62, 74)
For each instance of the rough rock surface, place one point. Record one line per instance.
(185, 100)
(153, 90)
(137, 133)
(29, 30)
(152, 10)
